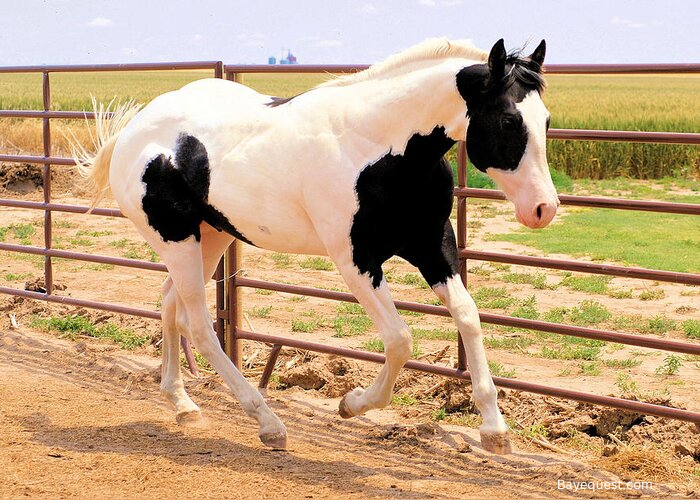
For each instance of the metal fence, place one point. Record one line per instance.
(228, 297)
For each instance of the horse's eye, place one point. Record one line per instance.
(509, 123)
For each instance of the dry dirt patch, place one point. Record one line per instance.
(82, 420)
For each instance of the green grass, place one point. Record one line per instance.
(493, 297)
(403, 400)
(659, 324)
(350, 325)
(411, 279)
(652, 294)
(317, 263)
(527, 309)
(570, 352)
(498, 370)
(652, 240)
(434, 334)
(621, 363)
(261, 312)
(282, 260)
(306, 326)
(591, 369)
(17, 277)
(72, 326)
(588, 284)
(587, 313)
(691, 327)
(537, 280)
(376, 345)
(670, 365)
(508, 343)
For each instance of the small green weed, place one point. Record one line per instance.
(591, 369)
(588, 284)
(670, 366)
(434, 334)
(527, 309)
(317, 264)
(411, 279)
(282, 260)
(351, 325)
(507, 343)
(498, 370)
(261, 312)
(620, 293)
(537, 280)
(373, 345)
(403, 400)
(588, 353)
(23, 232)
(438, 414)
(71, 326)
(691, 327)
(120, 243)
(659, 324)
(621, 363)
(17, 277)
(299, 325)
(589, 312)
(626, 384)
(350, 308)
(652, 294)
(493, 297)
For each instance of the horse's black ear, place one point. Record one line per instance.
(497, 61)
(538, 55)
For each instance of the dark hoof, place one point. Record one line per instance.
(343, 409)
(496, 443)
(274, 440)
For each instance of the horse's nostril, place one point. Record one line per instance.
(539, 212)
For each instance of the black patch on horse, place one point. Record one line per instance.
(278, 101)
(496, 135)
(176, 199)
(405, 203)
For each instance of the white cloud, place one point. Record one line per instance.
(326, 43)
(627, 23)
(368, 8)
(196, 38)
(99, 22)
(429, 3)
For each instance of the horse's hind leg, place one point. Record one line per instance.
(174, 321)
(185, 261)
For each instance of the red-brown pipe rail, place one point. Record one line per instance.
(228, 314)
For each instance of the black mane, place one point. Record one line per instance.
(523, 70)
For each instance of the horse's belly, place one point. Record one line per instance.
(290, 236)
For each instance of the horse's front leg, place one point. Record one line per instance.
(393, 331)
(494, 431)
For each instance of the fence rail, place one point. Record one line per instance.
(228, 316)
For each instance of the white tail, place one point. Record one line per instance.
(94, 168)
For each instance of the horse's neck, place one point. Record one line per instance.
(392, 110)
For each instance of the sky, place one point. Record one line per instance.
(336, 32)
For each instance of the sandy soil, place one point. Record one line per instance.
(71, 412)
(86, 420)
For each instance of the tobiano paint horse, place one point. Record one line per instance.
(352, 169)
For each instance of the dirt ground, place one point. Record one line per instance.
(85, 419)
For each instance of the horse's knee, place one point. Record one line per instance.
(398, 344)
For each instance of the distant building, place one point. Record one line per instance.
(289, 59)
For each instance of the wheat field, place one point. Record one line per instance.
(625, 102)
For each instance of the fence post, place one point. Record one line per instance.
(46, 132)
(462, 237)
(233, 346)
